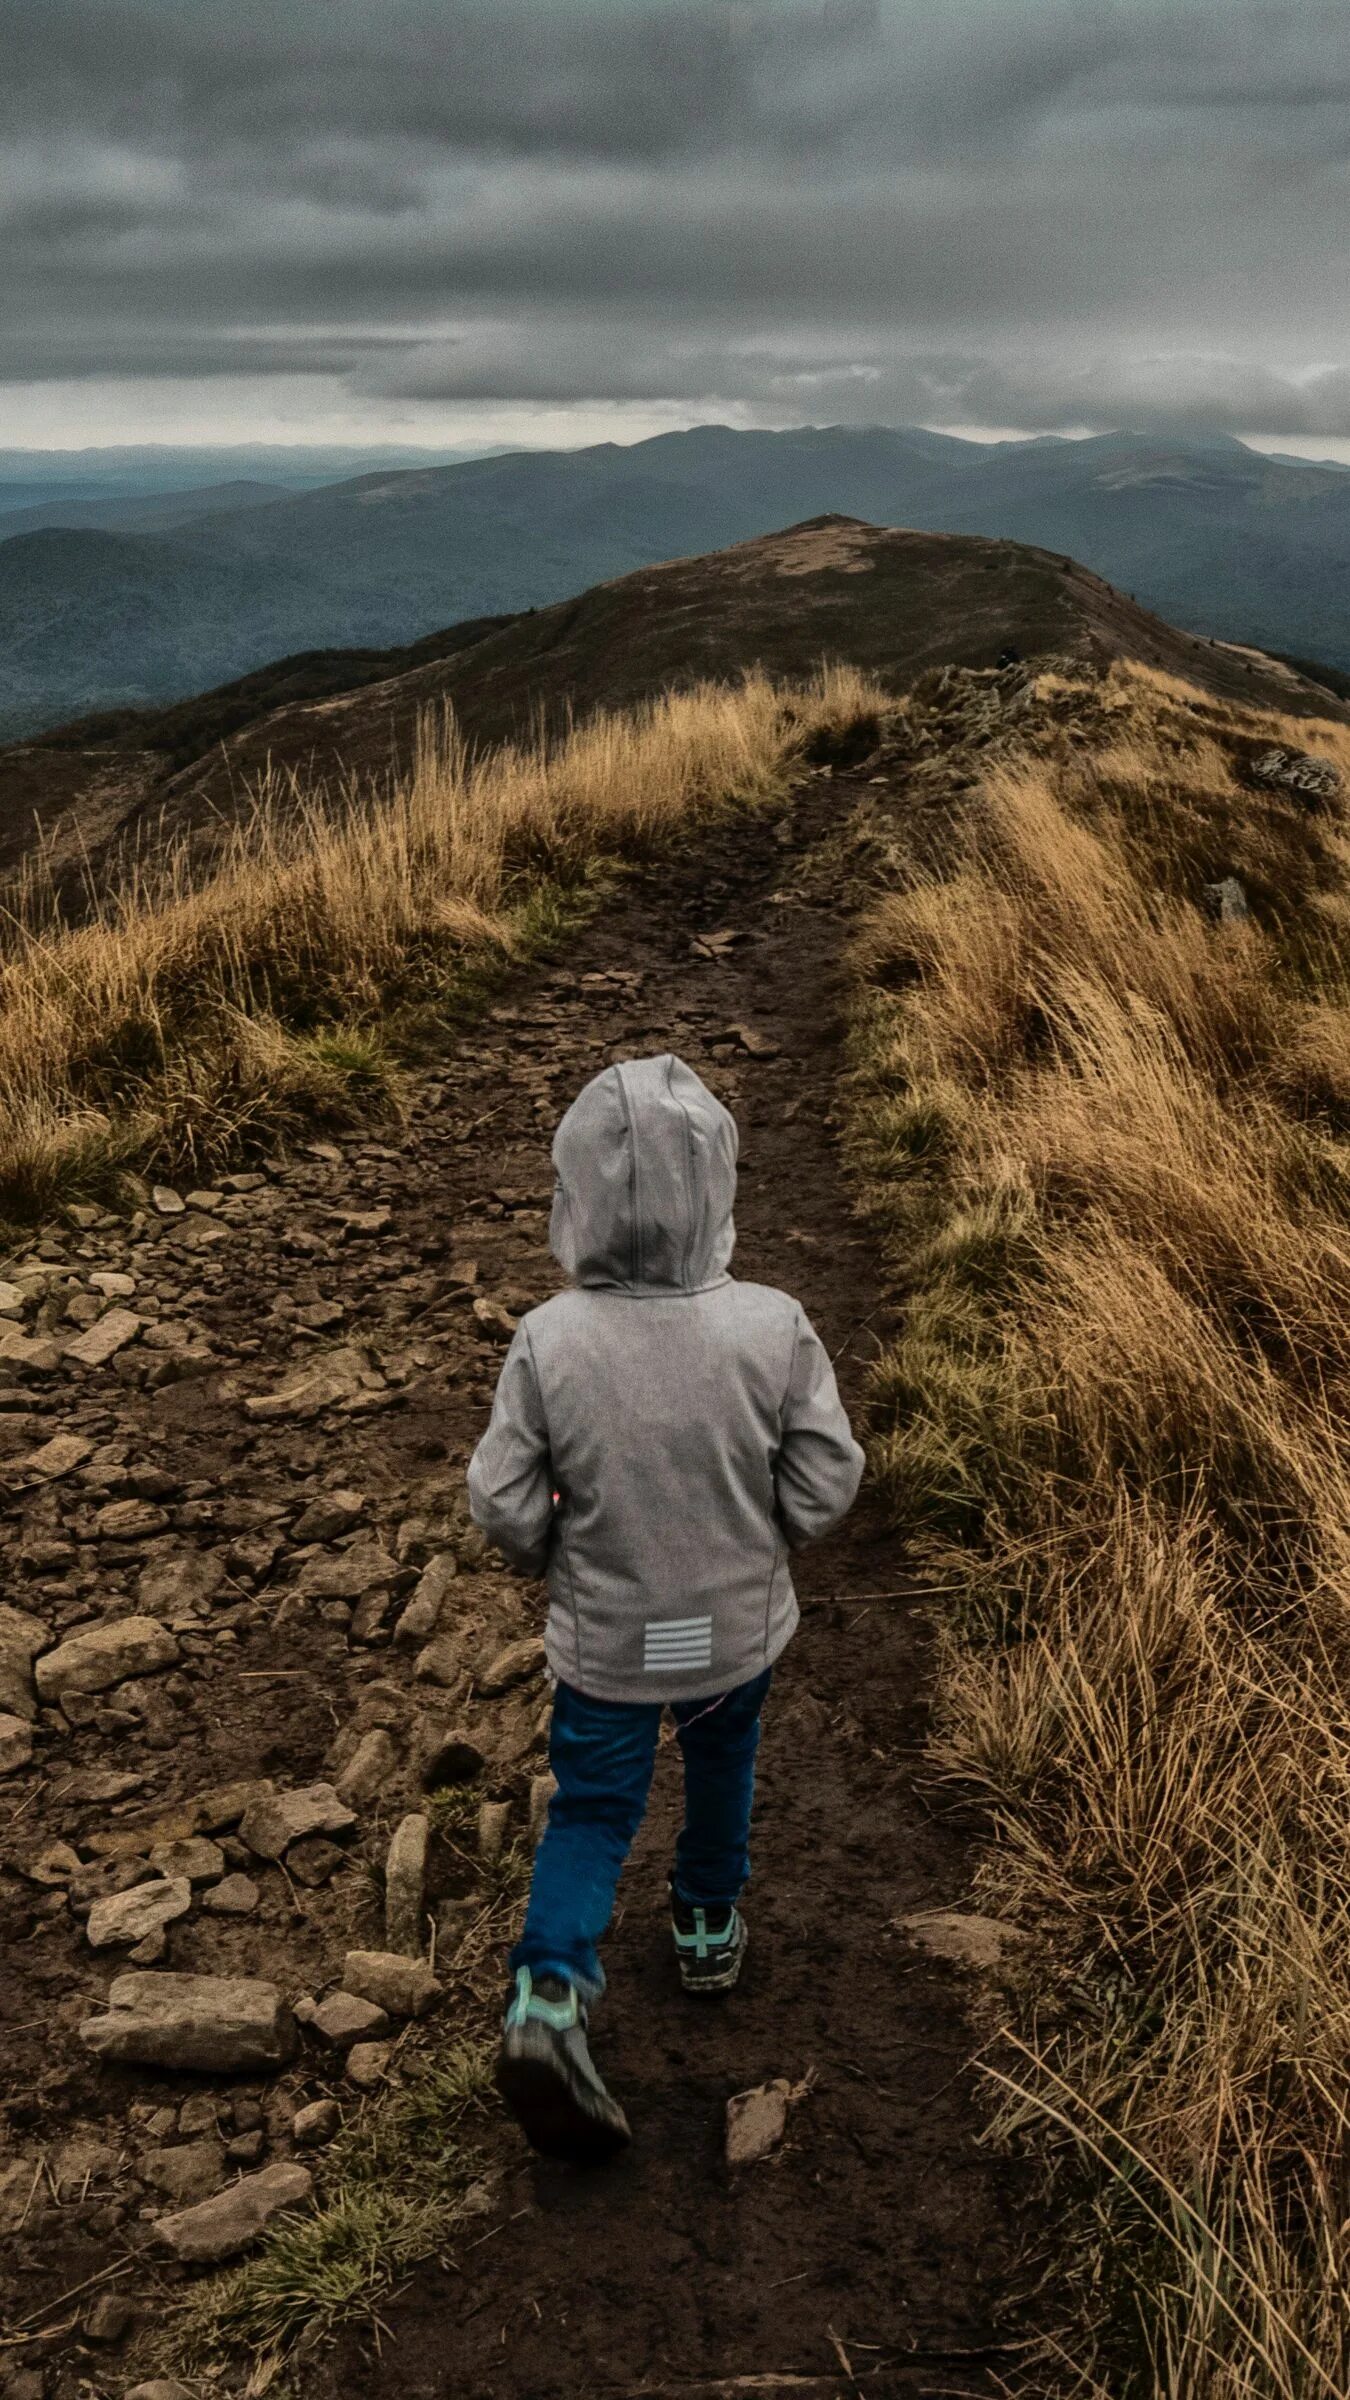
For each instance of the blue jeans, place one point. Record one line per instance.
(602, 1753)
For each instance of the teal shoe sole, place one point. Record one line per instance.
(703, 1975)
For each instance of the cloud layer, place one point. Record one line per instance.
(1046, 213)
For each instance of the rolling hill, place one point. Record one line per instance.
(1221, 539)
(834, 587)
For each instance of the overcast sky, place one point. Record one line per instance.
(566, 221)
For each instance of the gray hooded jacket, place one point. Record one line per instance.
(661, 1436)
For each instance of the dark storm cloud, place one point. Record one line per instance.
(1032, 211)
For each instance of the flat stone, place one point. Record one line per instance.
(344, 2018)
(133, 1916)
(129, 1521)
(757, 2121)
(456, 1758)
(21, 1638)
(101, 1656)
(317, 2122)
(367, 2064)
(16, 1744)
(218, 2024)
(165, 1201)
(331, 1514)
(402, 1987)
(30, 1354)
(272, 1824)
(112, 1284)
(322, 1384)
(60, 1456)
(188, 2171)
(111, 2317)
(970, 1941)
(405, 1887)
(234, 1896)
(348, 1574)
(515, 1664)
(184, 1584)
(100, 1342)
(370, 1766)
(13, 1300)
(233, 2220)
(196, 1860)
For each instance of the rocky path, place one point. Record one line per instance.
(247, 1627)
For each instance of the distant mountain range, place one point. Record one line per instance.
(144, 598)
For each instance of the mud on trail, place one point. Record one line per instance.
(874, 2248)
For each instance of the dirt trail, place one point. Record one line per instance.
(874, 2249)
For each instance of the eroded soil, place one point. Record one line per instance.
(876, 2247)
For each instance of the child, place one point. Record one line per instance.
(661, 1438)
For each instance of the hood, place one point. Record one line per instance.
(646, 1167)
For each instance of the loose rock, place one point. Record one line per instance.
(367, 2064)
(344, 2018)
(133, 1916)
(21, 1638)
(370, 1766)
(315, 2123)
(189, 2171)
(218, 2024)
(105, 1655)
(456, 1758)
(271, 1825)
(757, 2121)
(102, 1341)
(234, 1896)
(16, 1744)
(325, 1518)
(403, 1987)
(405, 1887)
(232, 2221)
(196, 1859)
(513, 1665)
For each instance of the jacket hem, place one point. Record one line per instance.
(637, 1690)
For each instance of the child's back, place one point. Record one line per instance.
(689, 1424)
(661, 1438)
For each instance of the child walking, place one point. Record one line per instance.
(662, 1436)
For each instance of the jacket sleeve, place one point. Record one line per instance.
(511, 1473)
(819, 1465)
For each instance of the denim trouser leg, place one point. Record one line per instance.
(719, 1740)
(602, 1753)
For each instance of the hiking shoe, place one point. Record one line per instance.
(546, 2076)
(709, 1944)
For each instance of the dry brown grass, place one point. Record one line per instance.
(185, 1018)
(1107, 1144)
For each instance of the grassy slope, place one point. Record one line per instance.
(1105, 1145)
(185, 1021)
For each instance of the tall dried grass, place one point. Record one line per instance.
(186, 1016)
(1107, 1144)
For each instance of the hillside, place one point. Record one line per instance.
(892, 602)
(1219, 538)
(1055, 1155)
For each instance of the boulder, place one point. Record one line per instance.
(403, 1987)
(1309, 778)
(273, 1823)
(217, 2024)
(232, 2221)
(125, 1918)
(101, 1656)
